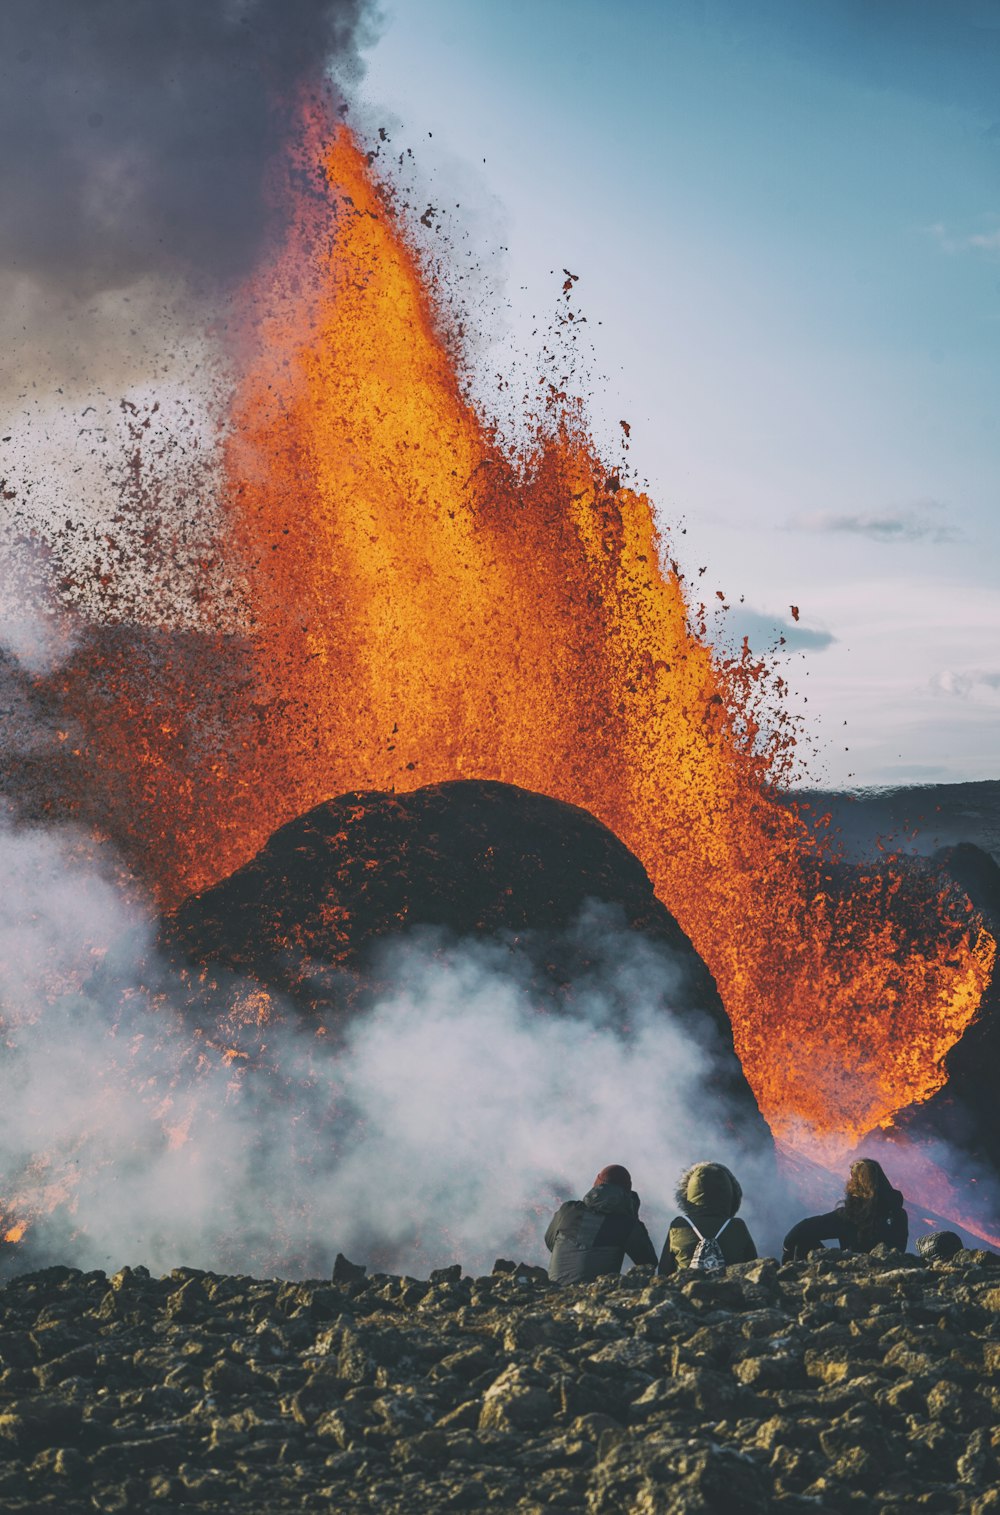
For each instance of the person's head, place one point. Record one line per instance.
(709, 1187)
(869, 1195)
(614, 1173)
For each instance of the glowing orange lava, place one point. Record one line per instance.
(423, 606)
(428, 608)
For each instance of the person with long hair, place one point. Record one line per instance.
(870, 1212)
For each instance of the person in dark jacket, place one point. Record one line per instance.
(708, 1196)
(591, 1236)
(870, 1212)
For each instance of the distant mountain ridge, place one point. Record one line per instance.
(940, 814)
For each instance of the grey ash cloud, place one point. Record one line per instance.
(136, 132)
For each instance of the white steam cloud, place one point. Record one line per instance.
(444, 1124)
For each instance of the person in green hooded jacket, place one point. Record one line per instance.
(708, 1196)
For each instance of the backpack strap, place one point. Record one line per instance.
(689, 1222)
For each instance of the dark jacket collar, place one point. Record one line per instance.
(609, 1199)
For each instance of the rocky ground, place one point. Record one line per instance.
(845, 1383)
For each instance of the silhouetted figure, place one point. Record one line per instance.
(870, 1212)
(591, 1236)
(708, 1196)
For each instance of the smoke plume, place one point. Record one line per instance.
(136, 132)
(137, 137)
(446, 1123)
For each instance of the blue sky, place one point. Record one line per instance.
(786, 222)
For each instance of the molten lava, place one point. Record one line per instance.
(424, 606)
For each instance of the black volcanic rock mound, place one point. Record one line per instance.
(472, 859)
(474, 856)
(403, 1021)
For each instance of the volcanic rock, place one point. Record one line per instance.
(474, 857)
(846, 1383)
(311, 915)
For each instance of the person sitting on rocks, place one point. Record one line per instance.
(591, 1236)
(870, 1212)
(708, 1196)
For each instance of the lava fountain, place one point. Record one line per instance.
(424, 604)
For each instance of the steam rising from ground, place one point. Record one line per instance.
(446, 1124)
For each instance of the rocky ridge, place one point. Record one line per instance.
(847, 1383)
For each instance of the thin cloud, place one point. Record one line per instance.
(949, 242)
(912, 524)
(978, 686)
(764, 632)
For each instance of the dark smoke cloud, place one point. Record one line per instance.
(135, 132)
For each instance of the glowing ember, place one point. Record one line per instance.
(426, 607)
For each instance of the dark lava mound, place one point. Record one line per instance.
(475, 857)
(311, 915)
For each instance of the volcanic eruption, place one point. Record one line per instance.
(420, 602)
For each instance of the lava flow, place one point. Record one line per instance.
(422, 606)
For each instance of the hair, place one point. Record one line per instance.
(868, 1197)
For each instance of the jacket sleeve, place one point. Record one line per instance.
(898, 1227)
(809, 1233)
(553, 1230)
(668, 1259)
(748, 1249)
(639, 1246)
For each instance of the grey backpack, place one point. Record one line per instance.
(707, 1256)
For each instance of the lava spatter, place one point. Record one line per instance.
(422, 605)
(432, 608)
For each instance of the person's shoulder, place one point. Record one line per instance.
(742, 1234)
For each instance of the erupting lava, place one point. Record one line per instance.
(424, 606)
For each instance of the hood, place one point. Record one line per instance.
(709, 1187)
(610, 1199)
